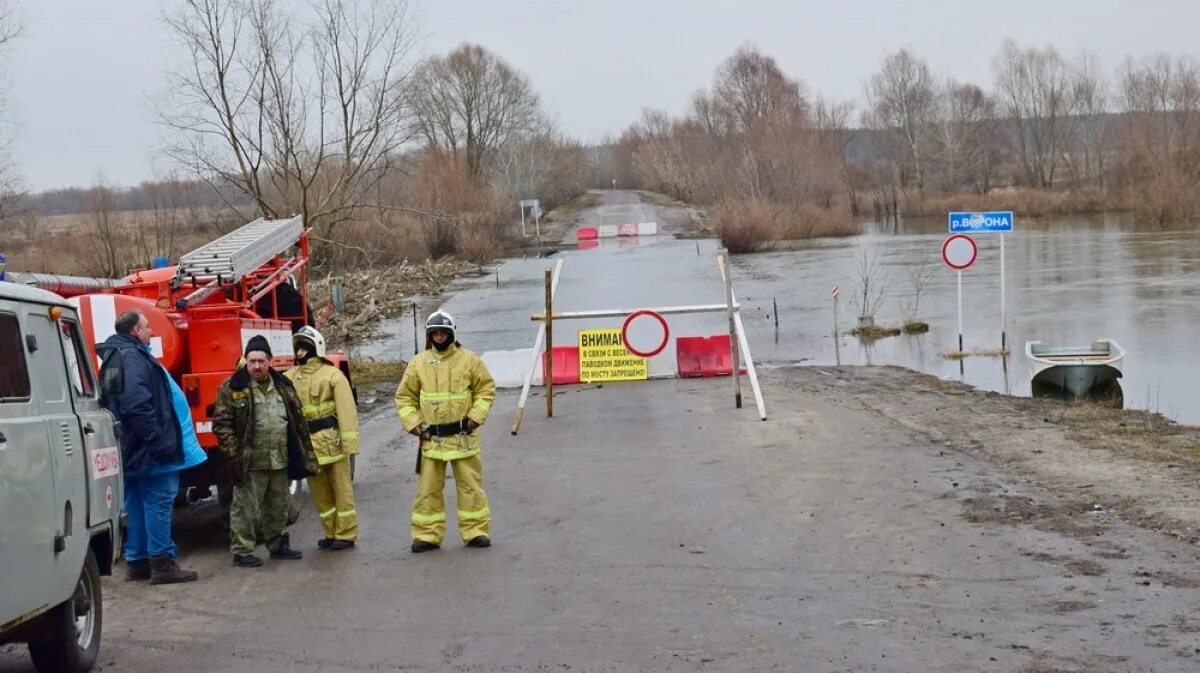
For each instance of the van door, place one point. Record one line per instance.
(67, 450)
(26, 480)
(103, 456)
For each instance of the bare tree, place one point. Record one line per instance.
(106, 227)
(545, 166)
(298, 106)
(11, 189)
(749, 89)
(1034, 87)
(471, 101)
(1161, 134)
(918, 276)
(1085, 155)
(871, 284)
(960, 135)
(172, 214)
(900, 102)
(832, 122)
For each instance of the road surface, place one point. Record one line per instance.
(879, 520)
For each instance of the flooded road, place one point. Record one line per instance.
(1069, 281)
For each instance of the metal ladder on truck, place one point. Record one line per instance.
(241, 251)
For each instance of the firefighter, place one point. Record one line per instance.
(445, 396)
(332, 419)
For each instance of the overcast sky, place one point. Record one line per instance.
(79, 79)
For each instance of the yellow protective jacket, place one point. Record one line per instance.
(445, 387)
(324, 392)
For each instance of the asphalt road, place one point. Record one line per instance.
(652, 526)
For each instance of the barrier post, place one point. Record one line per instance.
(535, 361)
(733, 336)
(549, 344)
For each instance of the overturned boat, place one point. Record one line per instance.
(1078, 371)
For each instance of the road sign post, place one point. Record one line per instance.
(959, 252)
(535, 207)
(1003, 318)
(995, 222)
(837, 337)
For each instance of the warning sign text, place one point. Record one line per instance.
(603, 357)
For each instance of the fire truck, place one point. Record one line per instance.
(252, 281)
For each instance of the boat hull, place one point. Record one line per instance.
(1078, 381)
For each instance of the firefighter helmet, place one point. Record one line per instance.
(440, 320)
(310, 337)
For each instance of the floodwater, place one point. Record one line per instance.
(1069, 281)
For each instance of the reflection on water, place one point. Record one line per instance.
(1070, 281)
(1108, 393)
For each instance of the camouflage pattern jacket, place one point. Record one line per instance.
(233, 424)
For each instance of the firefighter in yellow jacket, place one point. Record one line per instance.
(332, 418)
(446, 394)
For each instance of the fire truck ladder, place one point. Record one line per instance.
(241, 251)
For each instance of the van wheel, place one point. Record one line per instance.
(71, 632)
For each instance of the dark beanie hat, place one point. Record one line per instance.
(258, 343)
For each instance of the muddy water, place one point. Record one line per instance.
(1069, 281)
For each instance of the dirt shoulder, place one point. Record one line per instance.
(372, 295)
(1135, 465)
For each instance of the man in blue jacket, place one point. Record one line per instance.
(139, 393)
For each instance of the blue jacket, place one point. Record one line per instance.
(193, 453)
(150, 431)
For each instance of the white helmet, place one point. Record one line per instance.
(441, 320)
(312, 337)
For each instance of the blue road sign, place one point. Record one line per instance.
(997, 222)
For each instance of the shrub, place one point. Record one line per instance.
(744, 226)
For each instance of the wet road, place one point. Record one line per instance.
(652, 527)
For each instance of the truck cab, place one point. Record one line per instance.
(60, 483)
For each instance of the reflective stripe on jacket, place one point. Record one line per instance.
(324, 392)
(445, 387)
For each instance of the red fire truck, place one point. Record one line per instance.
(252, 281)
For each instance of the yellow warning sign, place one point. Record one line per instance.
(603, 357)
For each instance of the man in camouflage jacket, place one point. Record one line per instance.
(259, 422)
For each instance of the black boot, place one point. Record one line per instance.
(479, 541)
(341, 544)
(419, 546)
(284, 552)
(164, 570)
(246, 561)
(324, 543)
(137, 571)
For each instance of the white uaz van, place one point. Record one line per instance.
(60, 483)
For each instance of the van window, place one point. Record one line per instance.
(14, 373)
(77, 369)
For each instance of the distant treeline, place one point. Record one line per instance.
(149, 195)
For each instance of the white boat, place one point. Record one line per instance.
(1077, 371)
